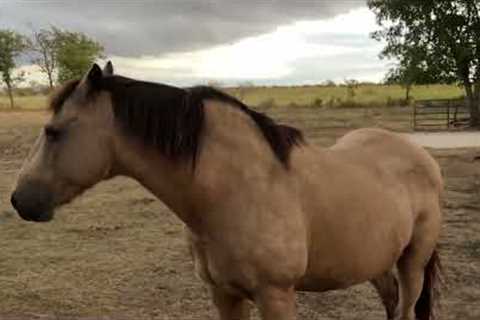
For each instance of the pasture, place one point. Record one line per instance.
(117, 253)
(362, 95)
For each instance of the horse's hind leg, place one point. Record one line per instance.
(230, 307)
(387, 288)
(410, 272)
(417, 261)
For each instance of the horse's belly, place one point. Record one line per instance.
(342, 257)
(343, 271)
(318, 284)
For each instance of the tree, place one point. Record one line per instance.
(243, 89)
(433, 41)
(410, 71)
(44, 47)
(351, 85)
(12, 45)
(75, 53)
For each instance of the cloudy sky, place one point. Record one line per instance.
(189, 42)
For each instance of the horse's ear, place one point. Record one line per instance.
(108, 69)
(94, 75)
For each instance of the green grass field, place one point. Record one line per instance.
(317, 96)
(335, 96)
(33, 102)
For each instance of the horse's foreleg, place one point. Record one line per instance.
(277, 303)
(387, 288)
(230, 307)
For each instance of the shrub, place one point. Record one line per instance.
(317, 103)
(266, 104)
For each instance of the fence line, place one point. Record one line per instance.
(440, 114)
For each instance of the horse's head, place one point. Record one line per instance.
(72, 153)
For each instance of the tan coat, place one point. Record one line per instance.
(259, 228)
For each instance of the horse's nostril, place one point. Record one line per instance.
(13, 200)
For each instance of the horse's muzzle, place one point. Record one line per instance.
(33, 202)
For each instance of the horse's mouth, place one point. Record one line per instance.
(44, 216)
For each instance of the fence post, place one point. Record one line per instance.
(448, 114)
(455, 113)
(414, 118)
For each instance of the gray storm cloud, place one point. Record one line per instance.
(136, 28)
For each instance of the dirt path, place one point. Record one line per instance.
(446, 140)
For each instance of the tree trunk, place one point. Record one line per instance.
(476, 100)
(50, 80)
(476, 91)
(472, 104)
(48, 67)
(407, 93)
(10, 95)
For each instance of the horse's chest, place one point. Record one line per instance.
(239, 266)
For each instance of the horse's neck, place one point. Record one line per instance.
(232, 151)
(168, 180)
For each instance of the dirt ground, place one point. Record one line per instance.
(117, 253)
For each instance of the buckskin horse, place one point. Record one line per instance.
(267, 212)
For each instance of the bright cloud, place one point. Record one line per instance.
(273, 57)
(303, 52)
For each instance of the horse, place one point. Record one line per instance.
(267, 212)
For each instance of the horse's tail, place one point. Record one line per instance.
(427, 303)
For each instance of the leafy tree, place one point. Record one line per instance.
(12, 45)
(44, 47)
(411, 70)
(351, 85)
(243, 89)
(433, 41)
(75, 53)
(404, 76)
(328, 83)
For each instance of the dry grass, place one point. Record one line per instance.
(117, 253)
(31, 102)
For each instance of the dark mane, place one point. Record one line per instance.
(171, 119)
(161, 116)
(281, 138)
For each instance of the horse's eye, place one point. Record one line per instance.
(52, 134)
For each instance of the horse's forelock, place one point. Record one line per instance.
(60, 95)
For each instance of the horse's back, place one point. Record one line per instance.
(386, 150)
